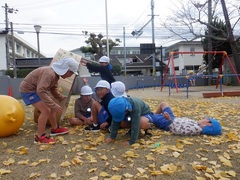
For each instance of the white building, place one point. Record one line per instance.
(22, 50)
(186, 61)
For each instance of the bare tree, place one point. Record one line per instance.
(190, 20)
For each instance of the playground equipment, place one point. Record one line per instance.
(224, 55)
(11, 116)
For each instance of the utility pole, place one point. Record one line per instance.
(8, 10)
(106, 12)
(13, 53)
(125, 68)
(153, 39)
(7, 37)
(139, 33)
(209, 39)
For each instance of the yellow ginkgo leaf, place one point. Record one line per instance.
(176, 154)
(169, 168)
(130, 154)
(104, 157)
(5, 171)
(10, 161)
(231, 173)
(65, 164)
(200, 178)
(77, 160)
(44, 147)
(141, 170)
(34, 175)
(150, 157)
(213, 162)
(23, 162)
(93, 178)
(68, 173)
(225, 161)
(92, 170)
(127, 175)
(53, 175)
(115, 168)
(100, 139)
(116, 177)
(104, 174)
(155, 173)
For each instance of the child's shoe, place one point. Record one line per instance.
(92, 128)
(59, 131)
(44, 140)
(148, 133)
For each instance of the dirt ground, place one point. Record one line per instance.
(82, 155)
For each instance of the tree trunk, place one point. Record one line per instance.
(231, 38)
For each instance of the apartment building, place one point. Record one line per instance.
(22, 49)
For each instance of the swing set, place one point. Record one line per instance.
(224, 55)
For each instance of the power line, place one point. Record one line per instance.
(37, 5)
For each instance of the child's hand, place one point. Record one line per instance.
(103, 125)
(83, 62)
(58, 109)
(109, 140)
(85, 80)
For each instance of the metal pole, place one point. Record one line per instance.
(13, 52)
(7, 37)
(161, 65)
(153, 38)
(37, 29)
(39, 63)
(125, 68)
(107, 27)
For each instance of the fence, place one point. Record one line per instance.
(8, 84)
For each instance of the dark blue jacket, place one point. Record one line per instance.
(104, 71)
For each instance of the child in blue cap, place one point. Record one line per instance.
(164, 119)
(127, 112)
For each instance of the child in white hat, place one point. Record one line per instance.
(82, 107)
(35, 89)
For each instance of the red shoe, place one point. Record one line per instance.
(44, 140)
(59, 131)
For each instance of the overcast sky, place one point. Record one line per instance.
(63, 21)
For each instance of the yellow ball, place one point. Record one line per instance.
(12, 115)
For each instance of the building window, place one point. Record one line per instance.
(176, 55)
(192, 50)
(28, 53)
(166, 56)
(18, 48)
(134, 60)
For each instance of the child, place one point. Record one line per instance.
(165, 119)
(105, 68)
(82, 107)
(34, 90)
(192, 78)
(100, 114)
(118, 89)
(128, 113)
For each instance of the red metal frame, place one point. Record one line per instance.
(171, 58)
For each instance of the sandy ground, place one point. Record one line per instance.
(193, 92)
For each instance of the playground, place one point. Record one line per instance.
(81, 155)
